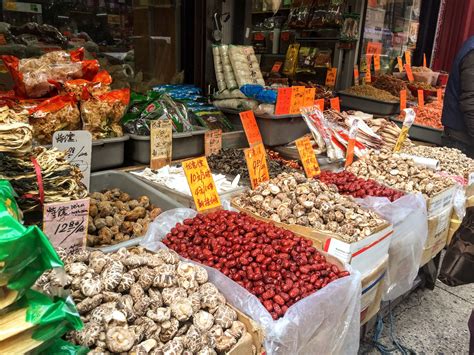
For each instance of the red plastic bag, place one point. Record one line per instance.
(99, 85)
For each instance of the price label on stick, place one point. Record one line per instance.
(400, 64)
(257, 164)
(309, 95)
(276, 67)
(78, 148)
(283, 103)
(424, 60)
(408, 58)
(421, 98)
(410, 76)
(377, 63)
(403, 100)
(308, 157)
(407, 122)
(335, 104)
(356, 74)
(250, 127)
(202, 186)
(351, 143)
(65, 223)
(320, 104)
(297, 99)
(331, 77)
(212, 142)
(439, 94)
(161, 138)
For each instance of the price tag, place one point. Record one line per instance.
(335, 104)
(421, 98)
(297, 99)
(377, 63)
(257, 164)
(409, 119)
(309, 95)
(276, 67)
(356, 74)
(351, 143)
(212, 142)
(410, 76)
(331, 77)
(403, 100)
(251, 128)
(78, 148)
(65, 223)
(308, 157)
(424, 60)
(320, 104)
(201, 184)
(374, 48)
(368, 61)
(408, 58)
(439, 94)
(161, 138)
(400, 64)
(283, 103)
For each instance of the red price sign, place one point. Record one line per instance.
(320, 104)
(250, 127)
(257, 164)
(421, 98)
(335, 104)
(283, 103)
(403, 100)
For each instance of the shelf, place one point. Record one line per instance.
(269, 12)
(317, 39)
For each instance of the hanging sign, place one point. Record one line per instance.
(161, 138)
(297, 99)
(283, 103)
(212, 142)
(409, 73)
(351, 143)
(403, 100)
(335, 104)
(320, 104)
(308, 157)
(65, 223)
(421, 98)
(356, 74)
(331, 77)
(407, 122)
(201, 184)
(257, 164)
(78, 148)
(250, 127)
(309, 95)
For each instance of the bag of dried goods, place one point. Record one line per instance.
(8, 205)
(102, 115)
(99, 85)
(54, 114)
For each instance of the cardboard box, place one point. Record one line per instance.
(438, 227)
(372, 287)
(440, 202)
(430, 253)
(253, 339)
(454, 225)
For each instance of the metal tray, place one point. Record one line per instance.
(365, 104)
(128, 183)
(185, 145)
(422, 133)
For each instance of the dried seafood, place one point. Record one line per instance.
(140, 302)
(387, 130)
(399, 173)
(293, 199)
(391, 84)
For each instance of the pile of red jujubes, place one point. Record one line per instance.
(275, 265)
(349, 184)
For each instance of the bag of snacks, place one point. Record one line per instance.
(55, 114)
(102, 115)
(99, 85)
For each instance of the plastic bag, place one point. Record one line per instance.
(99, 85)
(327, 320)
(410, 230)
(55, 114)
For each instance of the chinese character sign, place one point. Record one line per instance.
(257, 164)
(308, 157)
(161, 136)
(212, 142)
(65, 223)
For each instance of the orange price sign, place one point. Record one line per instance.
(351, 143)
(424, 60)
(309, 95)
(368, 76)
(374, 48)
(331, 77)
(403, 100)
(410, 76)
(421, 98)
(276, 67)
(283, 103)
(408, 58)
(377, 62)
(250, 127)
(257, 164)
(320, 104)
(439, 94)
(368, 61)
(400, 64)
(356, 74)
(335, 104)
(297, 99)
(201, 184)
(308, 157)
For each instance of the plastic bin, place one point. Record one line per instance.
(368, 105)
(134, 187)
(423, 133)
(185, 145)
(108, 153)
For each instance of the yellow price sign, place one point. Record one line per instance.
(297, 99)
(257, 164)
(308, 157)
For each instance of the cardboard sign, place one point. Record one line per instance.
(250, 127)
(439, 94)
(276, 67)
(308, 157)
(161, 138)
(320, 104)
(283, 103)
(335, 104)
(403, 100)
(257, 164)
(309, 95)
(421, 98)
(331, 77)
(377, 63)
(410, 76)
(424, 60)
(65, 223)
(297, 99)
(78, 148)
(356, 74)
(212, 142)
(351, 143)
(408, 57)
(374, 48)
(400, 64)
(201, 184)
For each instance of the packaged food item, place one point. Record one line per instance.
(99, 85)
(102, 114)
(245, 65)
(211, 118)
(306, 59)
(291, 59)
(55, 114)
(323, 58)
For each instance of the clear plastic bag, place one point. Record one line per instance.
(410, 230)
(328, 320)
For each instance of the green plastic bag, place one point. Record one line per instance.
(7, 200)
(62, 347)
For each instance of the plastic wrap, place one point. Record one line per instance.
(245, 65)
(410, 230)
(328, 320)
(459, 202)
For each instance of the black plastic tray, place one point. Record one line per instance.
(422, 133)
(365, 104)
